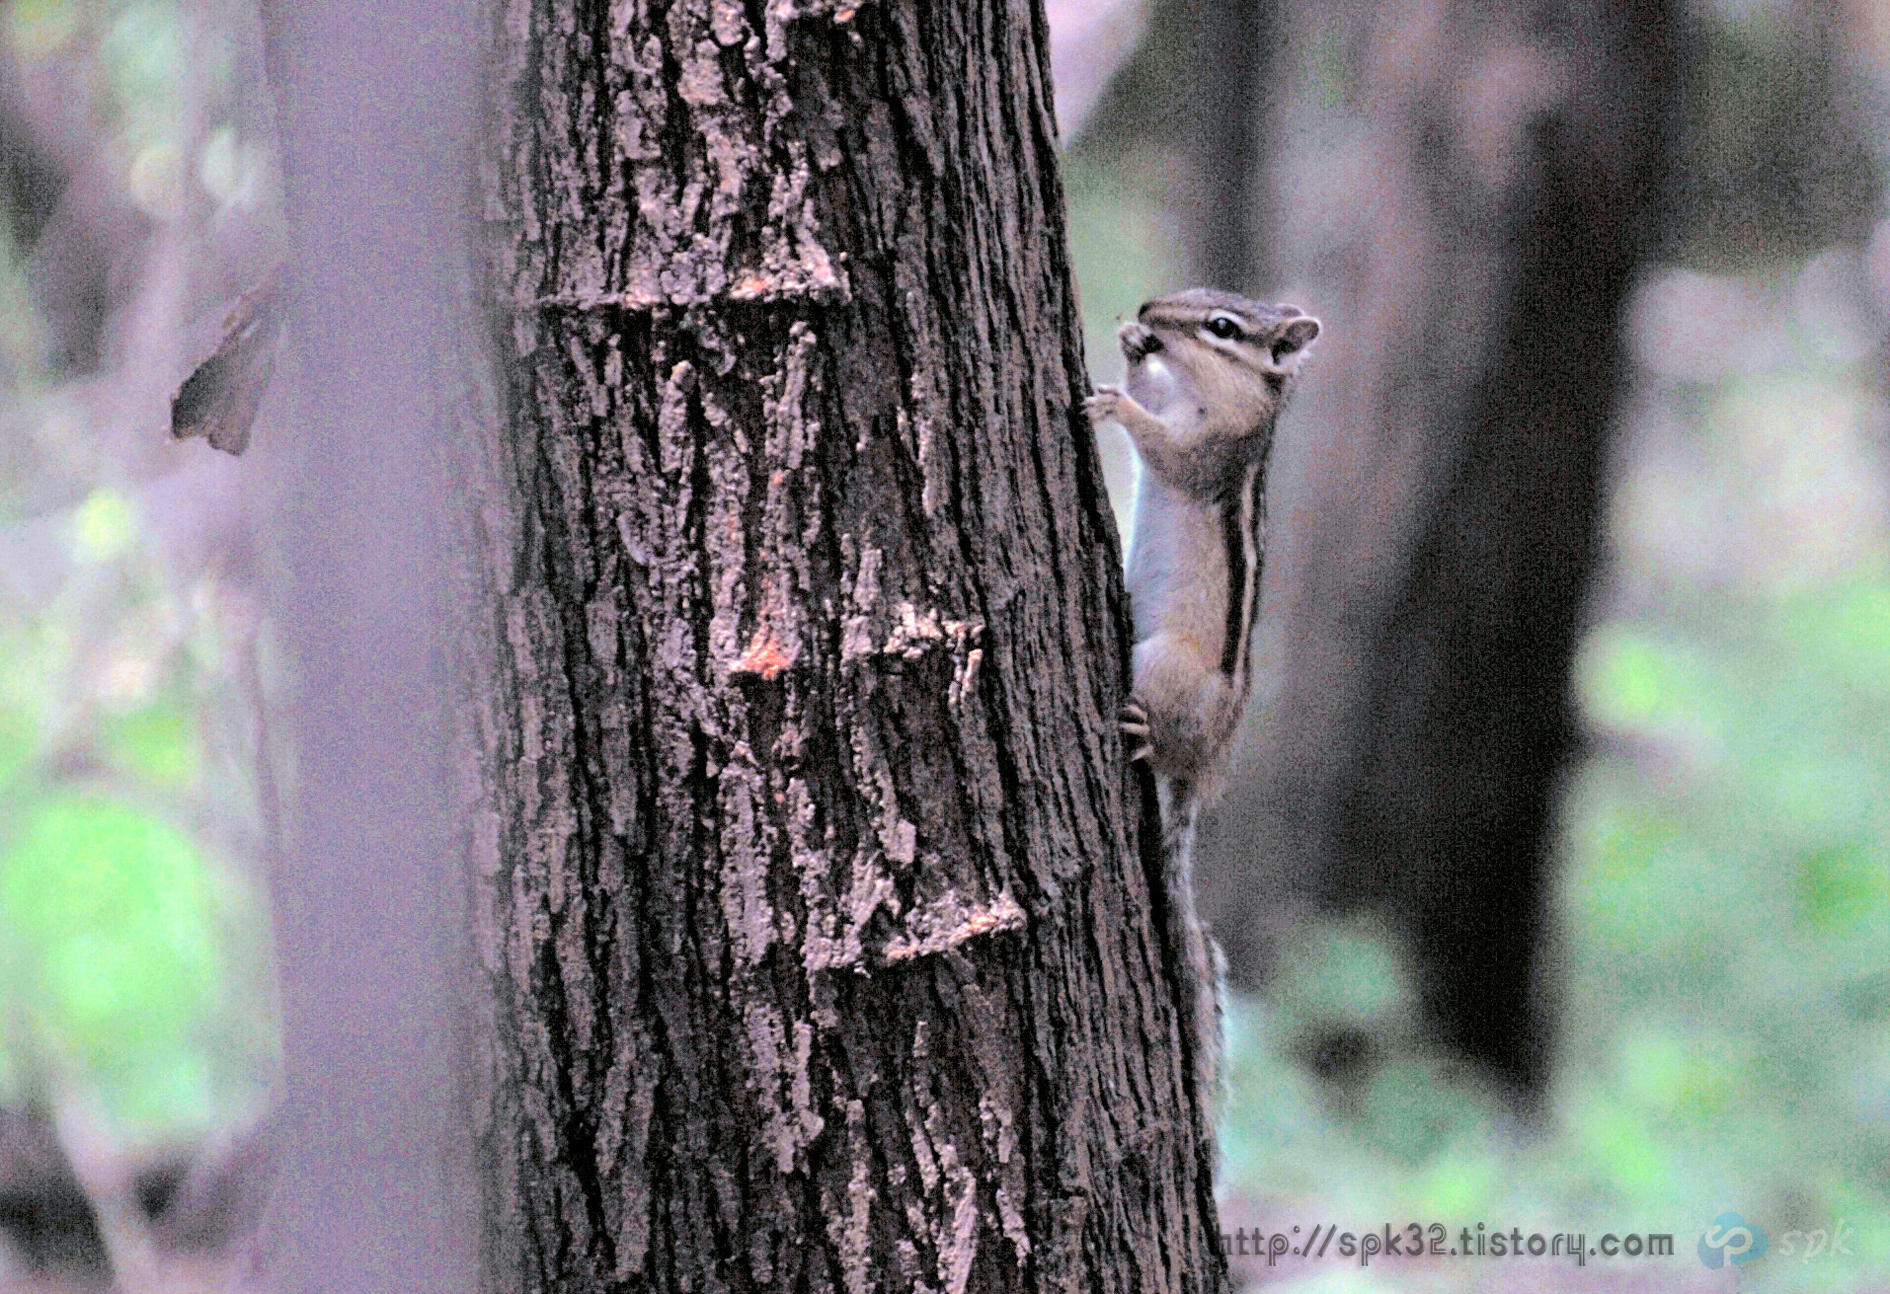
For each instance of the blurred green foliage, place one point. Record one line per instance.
(132, 963)
(134, 959)
(108, 914)
(1118, 241)
(1725, 970)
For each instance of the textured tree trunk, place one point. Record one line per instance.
(1448, 531)
(824, 949)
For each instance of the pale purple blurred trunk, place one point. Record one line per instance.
(377, 129)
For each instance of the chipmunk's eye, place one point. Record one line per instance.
(1225, 327)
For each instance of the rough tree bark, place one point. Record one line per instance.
(1449, 529)
(824, 945)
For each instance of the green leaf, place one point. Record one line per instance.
(110, 927)
(157, 741)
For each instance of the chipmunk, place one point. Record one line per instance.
(1208, 373)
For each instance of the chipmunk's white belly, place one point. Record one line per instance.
(1177, 571)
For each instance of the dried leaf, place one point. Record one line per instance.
(220, 398)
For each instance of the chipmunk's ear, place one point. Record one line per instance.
(1290, 343)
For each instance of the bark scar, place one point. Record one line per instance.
(764, 657)
(947, 923)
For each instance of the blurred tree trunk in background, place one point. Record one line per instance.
(1201, 88)
(1450, 526)
(822, 950)
(1228, 107)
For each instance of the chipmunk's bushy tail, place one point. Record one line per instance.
(1206, 965)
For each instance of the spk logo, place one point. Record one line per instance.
(1731, 1239)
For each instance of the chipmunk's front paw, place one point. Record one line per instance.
(1134, 724)
(1137, 342)
(1109, 404)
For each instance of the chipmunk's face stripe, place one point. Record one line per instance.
(1263, 341)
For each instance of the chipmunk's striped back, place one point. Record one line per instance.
(1243, 527)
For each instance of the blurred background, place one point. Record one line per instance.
(1553, 872)
(138, 197)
